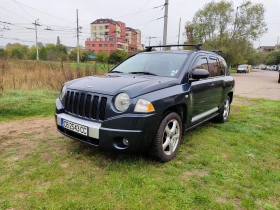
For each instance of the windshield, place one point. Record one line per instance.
(161, 64)
(242, 66)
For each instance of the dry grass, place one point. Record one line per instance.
(34, 75)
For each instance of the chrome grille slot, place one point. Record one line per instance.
(86, 105)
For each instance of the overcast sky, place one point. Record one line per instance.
(60, 17)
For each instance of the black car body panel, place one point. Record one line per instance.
(194, 100)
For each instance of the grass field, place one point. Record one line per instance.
(19, 104)
(235, 165)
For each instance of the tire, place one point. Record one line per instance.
(224, 111)
(167, 136)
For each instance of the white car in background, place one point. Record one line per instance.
(242, 68)
(269, 68)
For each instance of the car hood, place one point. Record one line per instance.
(112, 84)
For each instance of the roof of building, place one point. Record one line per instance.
(130, 29)
(267, 47)
(105, 20)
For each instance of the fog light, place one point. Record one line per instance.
(125, 142)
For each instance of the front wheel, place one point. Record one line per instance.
(224, 111)
(168, 138)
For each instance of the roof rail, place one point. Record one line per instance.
(196, 46)
(217, 51)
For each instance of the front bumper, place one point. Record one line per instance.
(138, 129)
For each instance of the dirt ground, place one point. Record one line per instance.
(258, 84)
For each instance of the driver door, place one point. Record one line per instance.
(202, 92)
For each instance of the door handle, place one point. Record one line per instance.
(211, 85)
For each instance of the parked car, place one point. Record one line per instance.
(147, 102)
(263, 67)
(269, 68)
(242, 68)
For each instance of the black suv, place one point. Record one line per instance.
(147, 102)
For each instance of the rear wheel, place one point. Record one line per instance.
(224, 111)
(168, 138)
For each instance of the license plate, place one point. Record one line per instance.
(81, 129)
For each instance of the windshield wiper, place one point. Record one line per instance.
(143, 72)
(115, 72)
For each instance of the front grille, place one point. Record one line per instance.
(86, 105)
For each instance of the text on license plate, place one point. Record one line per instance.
(81, 129)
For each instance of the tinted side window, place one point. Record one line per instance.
(201, 63)
(214, 67)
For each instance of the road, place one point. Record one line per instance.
(258, 84)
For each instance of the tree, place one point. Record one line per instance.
(55, 52)
(32, 53)
(218, 26)
(40, 44)
(272, 58)
(3, 53)
(42, 53)
(17, 53)
(17, 50)
(101, 57)
(117, 56)
(58, 41)
(51, 52)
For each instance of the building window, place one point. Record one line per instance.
(107, 27)
(101, 34)
(100, 27)
(93, 27)
(93, 45)
(111, 45)
(105, 45)
(88, 45)
(94, 34)
(100, 45)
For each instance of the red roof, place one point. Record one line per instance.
(130, 29)
(106, 20)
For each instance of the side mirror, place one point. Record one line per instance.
(200, 74)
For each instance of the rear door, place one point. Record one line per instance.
(216, 73)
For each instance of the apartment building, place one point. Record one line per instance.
(108, 35)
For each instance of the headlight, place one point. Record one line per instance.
(62, 93)
(122, 102)
(144, 106)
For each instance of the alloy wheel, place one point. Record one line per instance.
(171, 137)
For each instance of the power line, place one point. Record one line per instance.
(14, 14)
(22, 8)
(153, 19)
(44, 13)
(138, 11)
(11, 38)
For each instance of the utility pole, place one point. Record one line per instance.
(179, 33)
(165, 22)
(78, 46)
(37, 51)
(150, 37)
